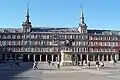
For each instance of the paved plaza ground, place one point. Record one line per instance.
(25, 72)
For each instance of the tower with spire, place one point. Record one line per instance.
(82, 26)
(27, 24)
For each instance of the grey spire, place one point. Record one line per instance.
(82, 16)
(27, 14)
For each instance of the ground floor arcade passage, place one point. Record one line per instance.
(96, 57)
(40, 57)
(6, 57)
(57, 57)
(79, 57)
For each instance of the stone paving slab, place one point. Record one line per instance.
(47, 72)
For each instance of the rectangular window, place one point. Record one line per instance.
(76, 36)
(101, 38)
(95, 43)
(4, 36)
(90, 37)
(116, 43)
(18, 36)
(3, 43)
(32, 36)
(92, 50)
(13, 36)
(44, 37)
(47, 36)
(9, 37)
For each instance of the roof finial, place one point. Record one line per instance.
(82, 16)
(27, 14)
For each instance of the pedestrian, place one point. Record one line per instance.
(82, 63)
(97, 65)
(114, 61)
(101, 64)
(35, 65)
(49, 62)
(78, 63)
(58, 65)
(53, 64)
(88, 63)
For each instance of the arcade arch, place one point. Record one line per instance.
(49, 57)
(31, 58)
(37, 57)
(43, 57)
(55, 57)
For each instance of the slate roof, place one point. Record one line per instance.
(10, 30)
(63, 30)
(53, 30)
(104, 32)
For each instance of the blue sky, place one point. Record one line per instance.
(99, 14)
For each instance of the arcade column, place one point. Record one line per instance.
(87, 57)
(116, 57)
(40, 57)
(102, 57)
(81, 57)
(46, 57)
(28, 57)
(98, 57)
(52, 58)
(34, 57)
(111, 57)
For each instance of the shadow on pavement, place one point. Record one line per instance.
(105, 67)
(7, 71)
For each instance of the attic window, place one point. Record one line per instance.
(110, 33)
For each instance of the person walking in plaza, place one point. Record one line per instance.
(101, 64)
(97, 65)
(58, 65)
(35, 65)
(53, 64)
(88, 63)
(49, 62)
(114, 62)
(17, 63)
